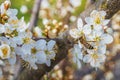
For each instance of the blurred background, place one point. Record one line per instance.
(55, 16)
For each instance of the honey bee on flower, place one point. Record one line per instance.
(93, 37)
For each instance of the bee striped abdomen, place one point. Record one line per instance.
(84, 42)
(89, 46)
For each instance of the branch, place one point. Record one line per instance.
(35, 13)
(110, 6)
(65, 44)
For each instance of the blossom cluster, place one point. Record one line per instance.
(92, 39)
(16, 40)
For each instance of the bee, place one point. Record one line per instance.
(85, 43)
(25, 64)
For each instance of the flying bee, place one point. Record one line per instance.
(85, 43)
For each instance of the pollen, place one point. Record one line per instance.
(97, 20)
(97, 38)
(33, 51)
(5, 51)
(26, 40)
(94, 56)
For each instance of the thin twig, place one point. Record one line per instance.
(35, 13)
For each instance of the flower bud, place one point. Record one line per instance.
(7, 4)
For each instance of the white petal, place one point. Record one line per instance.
(107, 39)
(87, 29)
(12, 43)
(2, 63)
(17, 40)
(93, 13)
(109, 30)
(105, 22)
(79, 64)
(102, 49)
(26, 49)
(18, 51)
(79, 44)
(87, 58)
(1, 72)
(101, 58)
(102, 13)
(34, 66)
(74, 33)
(98, 28)
(74, 59)
(78, 52)
(94, 63)
(2, 29)
(89, 20)
(41, 44)
(48, 62)
(12, 12)
(41, 56)
(79, 23)
(98, 33)
(50, 45)
(12, 60)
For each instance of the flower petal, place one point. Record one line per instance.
(79, 64)
(102, 13)
(101, 58)
(89, 20)
(102, 49)
(48, 63)
(1, 72)
(87, 29)
(79, 23)
(41, 44)
(94, 63)
(105, 22)
(87, 58)
(107, 39)
(74, 33)
(12, 12)
(41, 57)
(50, 45)
(12, 59)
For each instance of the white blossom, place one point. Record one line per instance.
(80, 30)
(95, 59)
(97, 18)
(5, 51)
(77, 55)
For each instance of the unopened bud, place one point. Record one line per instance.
(7, 4)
